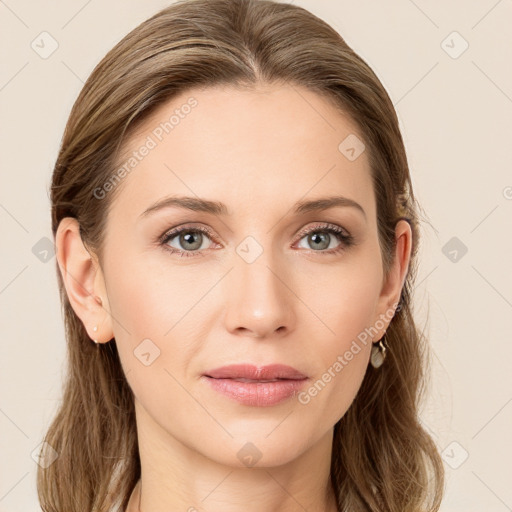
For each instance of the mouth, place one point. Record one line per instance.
(256, 386)
(249, 372)
(258, 380)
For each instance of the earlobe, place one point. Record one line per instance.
(82, 279)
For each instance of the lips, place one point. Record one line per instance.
(251, 373)
(256, 386)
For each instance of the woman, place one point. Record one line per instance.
(236, 235)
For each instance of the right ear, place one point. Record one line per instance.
(83, 280)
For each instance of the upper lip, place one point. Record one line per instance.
(250, 371)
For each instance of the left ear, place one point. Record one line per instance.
(393, 284)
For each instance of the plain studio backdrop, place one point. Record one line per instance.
(447, 68)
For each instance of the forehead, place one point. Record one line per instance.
(268, 145)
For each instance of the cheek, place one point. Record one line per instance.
(343, 359)
(154, 309)
(149, 297)
(342, 302)
(345, 302)
(138, 303)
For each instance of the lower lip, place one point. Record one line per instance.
(259, 394)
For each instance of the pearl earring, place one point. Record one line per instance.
(378, 354)
(95, 329)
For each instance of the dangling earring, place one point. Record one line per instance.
(95, 328)
(378, 353)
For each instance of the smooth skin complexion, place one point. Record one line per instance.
(302, 302)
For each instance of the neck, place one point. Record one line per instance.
(177, 476)
(134, 504)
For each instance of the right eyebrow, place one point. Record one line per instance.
(190, 203)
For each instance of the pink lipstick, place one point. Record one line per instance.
(256, 386)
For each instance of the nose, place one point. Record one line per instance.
(261, 301)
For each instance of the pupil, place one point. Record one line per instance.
(189, 239)
(316, 237)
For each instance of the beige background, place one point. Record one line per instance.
(455, 115)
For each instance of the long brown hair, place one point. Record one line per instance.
(382, 458)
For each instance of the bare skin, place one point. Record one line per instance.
(297, 303)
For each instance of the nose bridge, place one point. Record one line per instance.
(259, 299)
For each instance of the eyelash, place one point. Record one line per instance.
(346, 240)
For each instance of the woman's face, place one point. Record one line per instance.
(244, 283)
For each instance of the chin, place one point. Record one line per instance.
(252, 447)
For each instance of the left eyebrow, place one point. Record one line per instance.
(217, 208)
(324, 203)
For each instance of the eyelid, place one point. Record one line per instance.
(186, 226)
(324, 226)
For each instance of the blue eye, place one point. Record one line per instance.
(191, 240)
